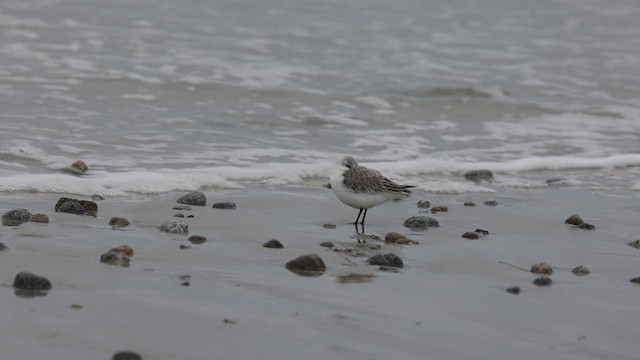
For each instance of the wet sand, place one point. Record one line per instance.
(448, 302)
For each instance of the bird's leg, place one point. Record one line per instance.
(363, 216)
(358, 218)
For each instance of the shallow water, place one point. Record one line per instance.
(178, 95)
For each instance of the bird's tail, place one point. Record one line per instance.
(405, 189)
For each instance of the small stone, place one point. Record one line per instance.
(90, 207)
(273, 244)
(542, 268)
(197, 198)
(421, 222)
(479, 175)
(307, 265)
(634, 244)
(126, 355)
(190, 216)
(80, 166)
(471, 235)
(491, 203)
(389, 259)
(225, 205)
(31, 282)
(197, 239)
(574, 219)
(393, 237)
(40, 218)
(327, 244)
(580, 271)
(182, 207)
(184, 247)
(439, 208)
(329, 226)
(186, 283)
(423, 204)
(230, 321)
(16, 217)
(96, 197)
(118, 222)
(469, 203)
(175, 227)
(125, 249)
(115, 258)
(635, 280)
(76, 306)
(71, 207)
(586, 226)
(482, 232)
(179, 215)
(3, 247)
(542, 281)
(515, 290)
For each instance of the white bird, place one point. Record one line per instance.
(363, 188)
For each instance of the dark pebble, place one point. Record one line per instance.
(586, 226)
(225, 205)
(197, 239)
(273, 244)
(115, 258)
(421, 222)
(118, 222)
(491, 203)
(327, 244)
(329, 226)
(193, 198)
(190, 216)
(389, 259)
(175, 227)
(482, 232)
(479, 175)
(307, 265)
(126, 355)
(634, 244)
(439, 208)
(180, 215)
(182, 207)
(186, 283)
(580, 271)
(574, 219)
(90, 207)
(80, 166)
(184, 247)
(471, 235)
(423, 204)
(635, 280)
(542, 281)
(71, 207)
(3, 247)
(515, 290)
(469, 203)
(542, 268)
(29, 281)
(96, 197)
(16, 217)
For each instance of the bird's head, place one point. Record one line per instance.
(347, 162)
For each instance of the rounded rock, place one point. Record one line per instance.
(635, 280)
(327, 244)
(175, 227)
(80, 166)
(225, 205)
(71, 207)
(179, 215)
(329, 226)
(479, 175)
(471, 235)
(32, 282)
(542, 268)
(273, 244)
(389, 259)
(515, 290)
(542, 281)
(393, 237)
(16, 217)
(423, 204)
(491, 203)
(197, 239)
(197, 198)
(469, 203)
(421, 222)
(580, 271)
(439, 208)
(311, 264)
(40, 218)
(115, 258)
(125, 249)
(90, 207)
(126, 355)
(574, 219)
(118, 222)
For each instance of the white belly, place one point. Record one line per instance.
(358, 200)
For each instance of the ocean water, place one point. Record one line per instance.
(171, 95)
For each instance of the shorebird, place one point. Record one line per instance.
(363, 188)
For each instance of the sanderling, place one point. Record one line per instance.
(363, 188)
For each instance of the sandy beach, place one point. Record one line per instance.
(448, 302)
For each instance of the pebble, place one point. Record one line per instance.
(469, 203)
(327, 244)
(125, 249)
(421, 222)
(542, 281)
(479, 175)
(71, 207)
(542, 268)
(515, 290)
(126, 355)
(182, 207)
(586, 226)
(3, 247)
(389, 259)
(30, 281)
(184, 247)
(40, 218)
(175, 227)
(118, 222)
(329, 226)
(423, 204)
(96, 197)
(574, 219)
(397, 238)
(197, 239)
(16, 217)
(307, 265)
(273, 244)
(115, 258)
(186, 283)
(471, 235)
(439, 208)
(197, 198)
(635, 280)
(634, 244)
(76, 306)
(179, 215)
(90, 207)
(190, 216)
(80, 166)
(491, 203)
(580, 271)
(224, 205)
